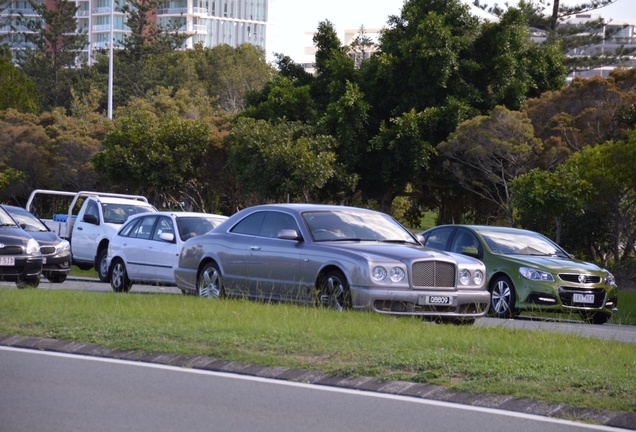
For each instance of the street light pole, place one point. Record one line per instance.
(110, 62)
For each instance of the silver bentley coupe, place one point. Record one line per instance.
(333, 256)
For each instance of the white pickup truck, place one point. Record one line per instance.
(89, 230)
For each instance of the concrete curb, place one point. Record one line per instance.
(608, 418)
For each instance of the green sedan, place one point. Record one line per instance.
(527, 271)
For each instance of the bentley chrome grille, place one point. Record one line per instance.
(433, 274)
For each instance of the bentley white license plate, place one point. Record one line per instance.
(7, 261)
(583, 298)
(438, 300)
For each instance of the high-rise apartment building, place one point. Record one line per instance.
(210, 22)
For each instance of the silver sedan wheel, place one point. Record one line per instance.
(334, 291)
(119, 277)
(209, 284)
(502, 299)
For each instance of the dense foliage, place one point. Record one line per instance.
(470, 120)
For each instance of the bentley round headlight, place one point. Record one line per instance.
(397, 274)
(378, 273)
(464, 277)
(478, 277)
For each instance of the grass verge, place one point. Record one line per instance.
(626, 314)
(550, 367)
(626, 308)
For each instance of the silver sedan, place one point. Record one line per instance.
(334, 256)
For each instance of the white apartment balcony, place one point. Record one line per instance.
(100, 27)
(21, 29)
(104, 10)
(104, 45)
(182, 11)
(23, 11)
(191, 28)
(22, 45)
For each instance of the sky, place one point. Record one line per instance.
(293, 21)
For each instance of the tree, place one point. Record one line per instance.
(347, 121)
(608, 168)
(9, 176)
(146, 37)
(16, 90)
(487, 153)
(581, 38)
(6, 12)
(334, 68)
(142, 155)
(511, 68)
(26, 149)
(586, 113)
(286, 161)
(135, 65)
(439, 60)
(396, 156)
(423, 53)
(175, 70)
(168, 147)
(58, 43)
(546, 200)
(361, 47)
(52, 150)
(293, 71)
(230, 73)
(281, 100)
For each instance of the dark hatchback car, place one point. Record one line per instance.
(528, 272)
(20, 257)
(56, 252)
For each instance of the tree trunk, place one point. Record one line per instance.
(555, 15)
(558, 223)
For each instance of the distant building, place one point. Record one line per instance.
(210, 22)
(618, 34)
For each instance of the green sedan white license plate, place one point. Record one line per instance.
(7, 261)
(583, 298)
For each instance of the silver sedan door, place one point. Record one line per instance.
(274, 263)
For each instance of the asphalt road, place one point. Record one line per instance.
(68, 393)
(63, 402)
